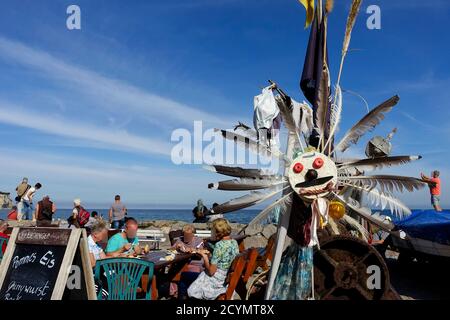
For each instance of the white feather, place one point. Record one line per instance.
(284, 202)
(335, 115)
(383, 200)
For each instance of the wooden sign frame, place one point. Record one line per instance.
(76, 239)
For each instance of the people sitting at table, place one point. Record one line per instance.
(3, 235)
(210, 283)
(99, 232)
(126, 243)
(189, 241)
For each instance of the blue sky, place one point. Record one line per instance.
(89, 113)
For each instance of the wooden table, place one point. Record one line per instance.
(176, 267)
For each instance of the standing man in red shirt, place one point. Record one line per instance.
(435, 189)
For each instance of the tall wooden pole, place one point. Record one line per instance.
(283, 224)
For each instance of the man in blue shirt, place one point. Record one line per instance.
(124, 243)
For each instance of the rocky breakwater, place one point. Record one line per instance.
(257, 236)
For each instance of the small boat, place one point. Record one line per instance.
(423, 235)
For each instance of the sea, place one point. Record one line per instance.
(242, 216)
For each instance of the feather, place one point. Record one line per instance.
(288, 119)
(238, 172)
(387, 183)
(383, 200)
(250, 144)
(322, 102)
(335, 115)
(246, 131)
(377, 163)
(246, 201)
(356, 4)
(247, 184)
(305, 124)
(334, 227)
(285, 201)
(367, 123)
(366, 214)
(357, 226)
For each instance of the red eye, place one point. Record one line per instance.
(298, 167)
(318, 163)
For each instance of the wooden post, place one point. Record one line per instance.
(283, 224)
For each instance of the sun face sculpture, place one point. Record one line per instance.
(314, 174)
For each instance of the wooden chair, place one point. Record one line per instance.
(123, 276)
(266, 254)
(251, 255)
(234, 276)
(174, 235)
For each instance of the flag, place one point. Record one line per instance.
(309, 7)
(315, 79)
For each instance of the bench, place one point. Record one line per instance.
(153, 236)
(204, 234)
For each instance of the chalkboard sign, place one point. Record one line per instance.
(38, 261)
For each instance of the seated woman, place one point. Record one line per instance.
(188, 243)
(210, 283)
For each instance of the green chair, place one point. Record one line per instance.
(2, 241)
(122, 277)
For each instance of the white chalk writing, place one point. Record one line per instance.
(16, 290)
(17, 261)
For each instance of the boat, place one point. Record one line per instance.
(424, 235)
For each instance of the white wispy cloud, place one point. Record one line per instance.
(109, 138)
(113, 94)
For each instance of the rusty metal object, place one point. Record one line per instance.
(341, 270)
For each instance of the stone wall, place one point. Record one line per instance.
(258, 236)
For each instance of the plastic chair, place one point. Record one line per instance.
(122, 276)
(2, 241)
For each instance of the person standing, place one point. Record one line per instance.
(117, 213)
(28, 201)
(21, 189)
(45, 209)
(80, 216)
(435, 189)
